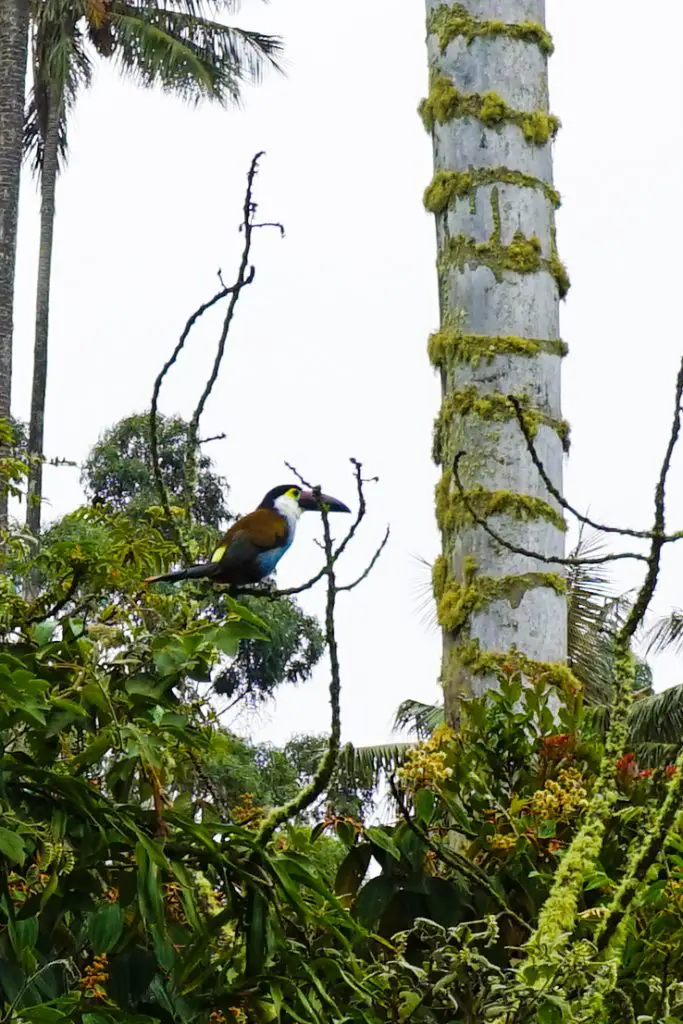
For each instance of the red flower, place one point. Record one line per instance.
(670, 769)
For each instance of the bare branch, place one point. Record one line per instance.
(245, 275)
(215, 437)
(153, 436)
(525, 551)
(368, 569)
(298, 475)
(557, 495)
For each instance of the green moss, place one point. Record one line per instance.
(452, 512)
(492, 407)
(469, 655)
(521, 256)
(460, 600)
(439, 576)
(450, 22)
(445, 102)
(448, 186)
(452, 345)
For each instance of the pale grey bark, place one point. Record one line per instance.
(524, 305)
(13, 57)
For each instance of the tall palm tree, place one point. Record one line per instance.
(500, 283)
(13, 58)
(174, 44)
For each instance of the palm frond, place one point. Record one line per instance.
(666, 632)
(657, 718)
(61, 67)
(655, 755)
(418, 718)
(594, 613)
(193, 57)
(361, 761)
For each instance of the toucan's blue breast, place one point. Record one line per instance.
(267, 560)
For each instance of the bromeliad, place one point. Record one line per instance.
(254, 544)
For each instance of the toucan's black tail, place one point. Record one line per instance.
(195, 572)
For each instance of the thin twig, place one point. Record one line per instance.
(561, 500)
(216, 437)
(516, 549)
(153, 436)
(297, 474)
(245, 275)
(368, 569)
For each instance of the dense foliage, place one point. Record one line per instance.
(532, 870)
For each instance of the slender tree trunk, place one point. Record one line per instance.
(13, 56)
(500, 282)
(47, 220)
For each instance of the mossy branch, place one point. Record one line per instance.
(558, 916)
(279, 815)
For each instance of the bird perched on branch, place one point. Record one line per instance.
(254, 544)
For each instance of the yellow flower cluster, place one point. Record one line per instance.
(503, 841)
(94, 978)
(425, 764)
(246, 811)
(562, 799)
(174, 904)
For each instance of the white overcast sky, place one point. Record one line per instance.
(327, 358)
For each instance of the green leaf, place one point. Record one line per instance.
(373, 899)
(42, 632)
(424, 805)
(380, 838)
(553, 1010)
(345, 832)
(96, 750)
(546, 829)
(12, 846)
(105, 927)
(353, 869)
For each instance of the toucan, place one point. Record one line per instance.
(254, 544)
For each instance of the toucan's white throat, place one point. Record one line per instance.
(291, 510)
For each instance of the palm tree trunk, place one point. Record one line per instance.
(47, 219)
(13, 56)
(500, 282)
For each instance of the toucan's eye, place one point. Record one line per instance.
(294, 492)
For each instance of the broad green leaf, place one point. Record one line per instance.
(353, 869)
(12, 845)
(382, 839)
(42, 632)
(105, 927)
(373, 899)
(424, 805)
